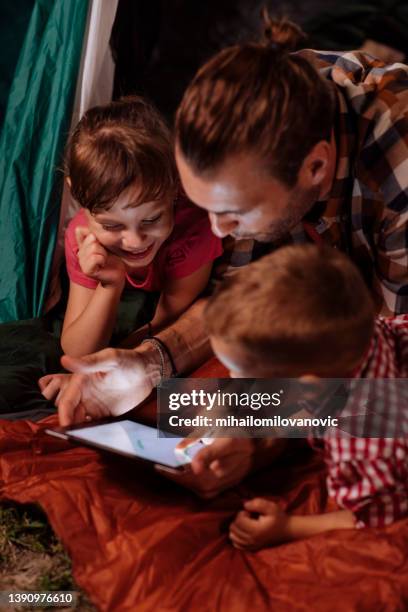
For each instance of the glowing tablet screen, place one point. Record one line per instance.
(135, 440)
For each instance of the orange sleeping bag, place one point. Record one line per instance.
(139, 542)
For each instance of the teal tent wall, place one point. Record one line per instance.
(34, 133)
(15, 13)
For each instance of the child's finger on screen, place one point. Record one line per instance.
(186, 442)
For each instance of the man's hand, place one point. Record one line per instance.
(52, 385)
(262, 523)
(107, 383)
(97, 262)
(217, 467)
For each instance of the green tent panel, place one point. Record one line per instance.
(31, 144)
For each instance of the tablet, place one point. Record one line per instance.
(132, 439)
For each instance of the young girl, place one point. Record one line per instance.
(135, 230)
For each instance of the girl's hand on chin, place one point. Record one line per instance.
(97, 262)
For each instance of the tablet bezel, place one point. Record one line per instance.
(63, 433)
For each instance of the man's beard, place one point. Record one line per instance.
(299, 204)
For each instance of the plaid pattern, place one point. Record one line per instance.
(369, 476)
(367, 211)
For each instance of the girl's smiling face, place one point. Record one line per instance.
(133, 232)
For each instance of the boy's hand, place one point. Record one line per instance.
(250, 532)
(96, 261)
(215, 468)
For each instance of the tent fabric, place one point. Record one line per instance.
(94, 86)
(17, 13)
(31, 348)
(28, 350)
(35, 128)
(96, 80)
(139, 542)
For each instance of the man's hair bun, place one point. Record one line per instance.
(281, 34)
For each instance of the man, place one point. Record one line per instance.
(277, 147)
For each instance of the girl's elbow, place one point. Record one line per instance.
(72, 348)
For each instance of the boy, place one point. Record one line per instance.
(310, 314)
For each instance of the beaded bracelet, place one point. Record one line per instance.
(163, 353)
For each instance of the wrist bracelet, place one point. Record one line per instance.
(168, 354)
(163, 353)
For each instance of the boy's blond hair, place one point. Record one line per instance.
(303, 305)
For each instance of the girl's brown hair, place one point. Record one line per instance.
(256, 98)
(115, 146)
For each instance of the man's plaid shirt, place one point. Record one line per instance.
(367, 211)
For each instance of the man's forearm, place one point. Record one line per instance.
(187, 340)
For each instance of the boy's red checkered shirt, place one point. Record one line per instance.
(369, 475)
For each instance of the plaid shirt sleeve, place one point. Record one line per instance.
(367, 211)
(373, 147)
(383, 170)
(391, 278)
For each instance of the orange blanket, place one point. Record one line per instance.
(138, 542)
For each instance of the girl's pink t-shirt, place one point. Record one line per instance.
(190, 246)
